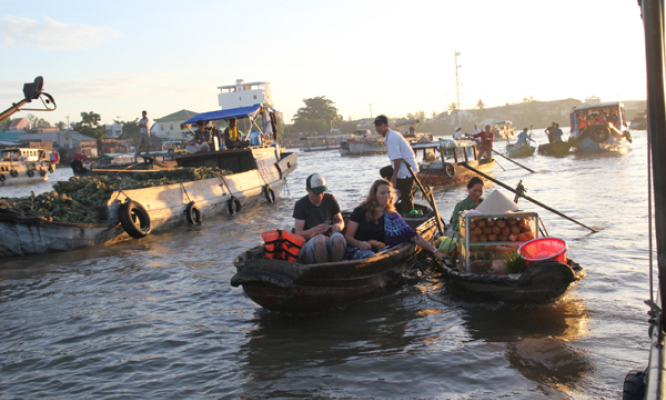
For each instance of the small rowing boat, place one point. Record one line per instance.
(279, 285)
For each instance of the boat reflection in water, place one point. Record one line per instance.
(540, 341)
(305, 356)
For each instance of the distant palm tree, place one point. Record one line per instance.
(480, 105)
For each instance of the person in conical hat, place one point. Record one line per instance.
(475, 191)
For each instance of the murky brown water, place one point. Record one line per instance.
(157, 318)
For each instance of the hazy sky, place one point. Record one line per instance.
(119, 57)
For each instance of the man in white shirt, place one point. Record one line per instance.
(399, 149)
(144, 131)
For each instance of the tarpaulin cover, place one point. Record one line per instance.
(251, 112)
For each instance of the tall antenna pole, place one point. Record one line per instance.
(458, 102)
(370, 104)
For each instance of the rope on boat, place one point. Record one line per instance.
(187, 194)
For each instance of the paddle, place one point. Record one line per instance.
(521, 193)
(503, 156)
(427, 192)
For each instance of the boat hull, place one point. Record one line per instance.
(438, 176)
(293, 287)
(165, 205)
(40, 171)
(556, 149)
(542, 282)
(362, 148)
(519, 151)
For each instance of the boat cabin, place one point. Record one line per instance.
(22, 154)
(599, 114)
(459, 151)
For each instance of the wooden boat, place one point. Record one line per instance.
(279, 285)
(557, 149)
(451, 171)
(363, 143)
(600, 128)
(257, 174)
(504, 130)
(519, 150)
(410, 134)
(481, 265)
(26, 165)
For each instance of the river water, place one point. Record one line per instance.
(157, 318)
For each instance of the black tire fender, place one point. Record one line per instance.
(30, 172)
(51, 168)
(597, 133)
(193, 214)
(13, 173)
(42, 172)
(234, 205)
(450, 170)
(269, 194)
(77, 167)
(2, 177)
(552, 271)
(134, 219)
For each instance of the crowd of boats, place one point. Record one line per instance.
(501, 252)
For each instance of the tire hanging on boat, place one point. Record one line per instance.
(269, 194)
(449, 170)
(2, 177)
(50, 168)
(30, 172)
(134, 219)
(233, 205)
(77, 167)
(193, 214)
(13, 173)
(42, 172)
(597, 133)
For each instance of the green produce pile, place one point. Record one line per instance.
(515, 264)
(83, 199)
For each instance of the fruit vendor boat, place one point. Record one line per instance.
(134, 203)
(280, 285)
(28, 165)
(500, 256)
(449, 168)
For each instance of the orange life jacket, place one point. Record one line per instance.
(282, 245)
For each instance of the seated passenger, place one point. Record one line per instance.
(232, 138)
(318, 219)
(474, 190)
(202, 137)
(375, 225)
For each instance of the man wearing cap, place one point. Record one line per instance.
(399, 150)
(318, 219)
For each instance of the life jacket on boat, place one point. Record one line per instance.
(282, 245)
(582, 123)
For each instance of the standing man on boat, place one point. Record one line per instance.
(144, 132)
(556, 134)
(523, 137)
(487, 138)
(399, 149)
(548, 132)
(318, 219)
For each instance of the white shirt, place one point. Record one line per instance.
(399, 148)
(457, 135)
(143, 125)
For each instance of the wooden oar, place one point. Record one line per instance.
(427, 192)
(521, 193)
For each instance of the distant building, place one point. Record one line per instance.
(592, 101)
(168, 127)
(244, 94)
(114, 131)
(19, 124)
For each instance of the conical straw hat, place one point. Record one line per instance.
(496, 203)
